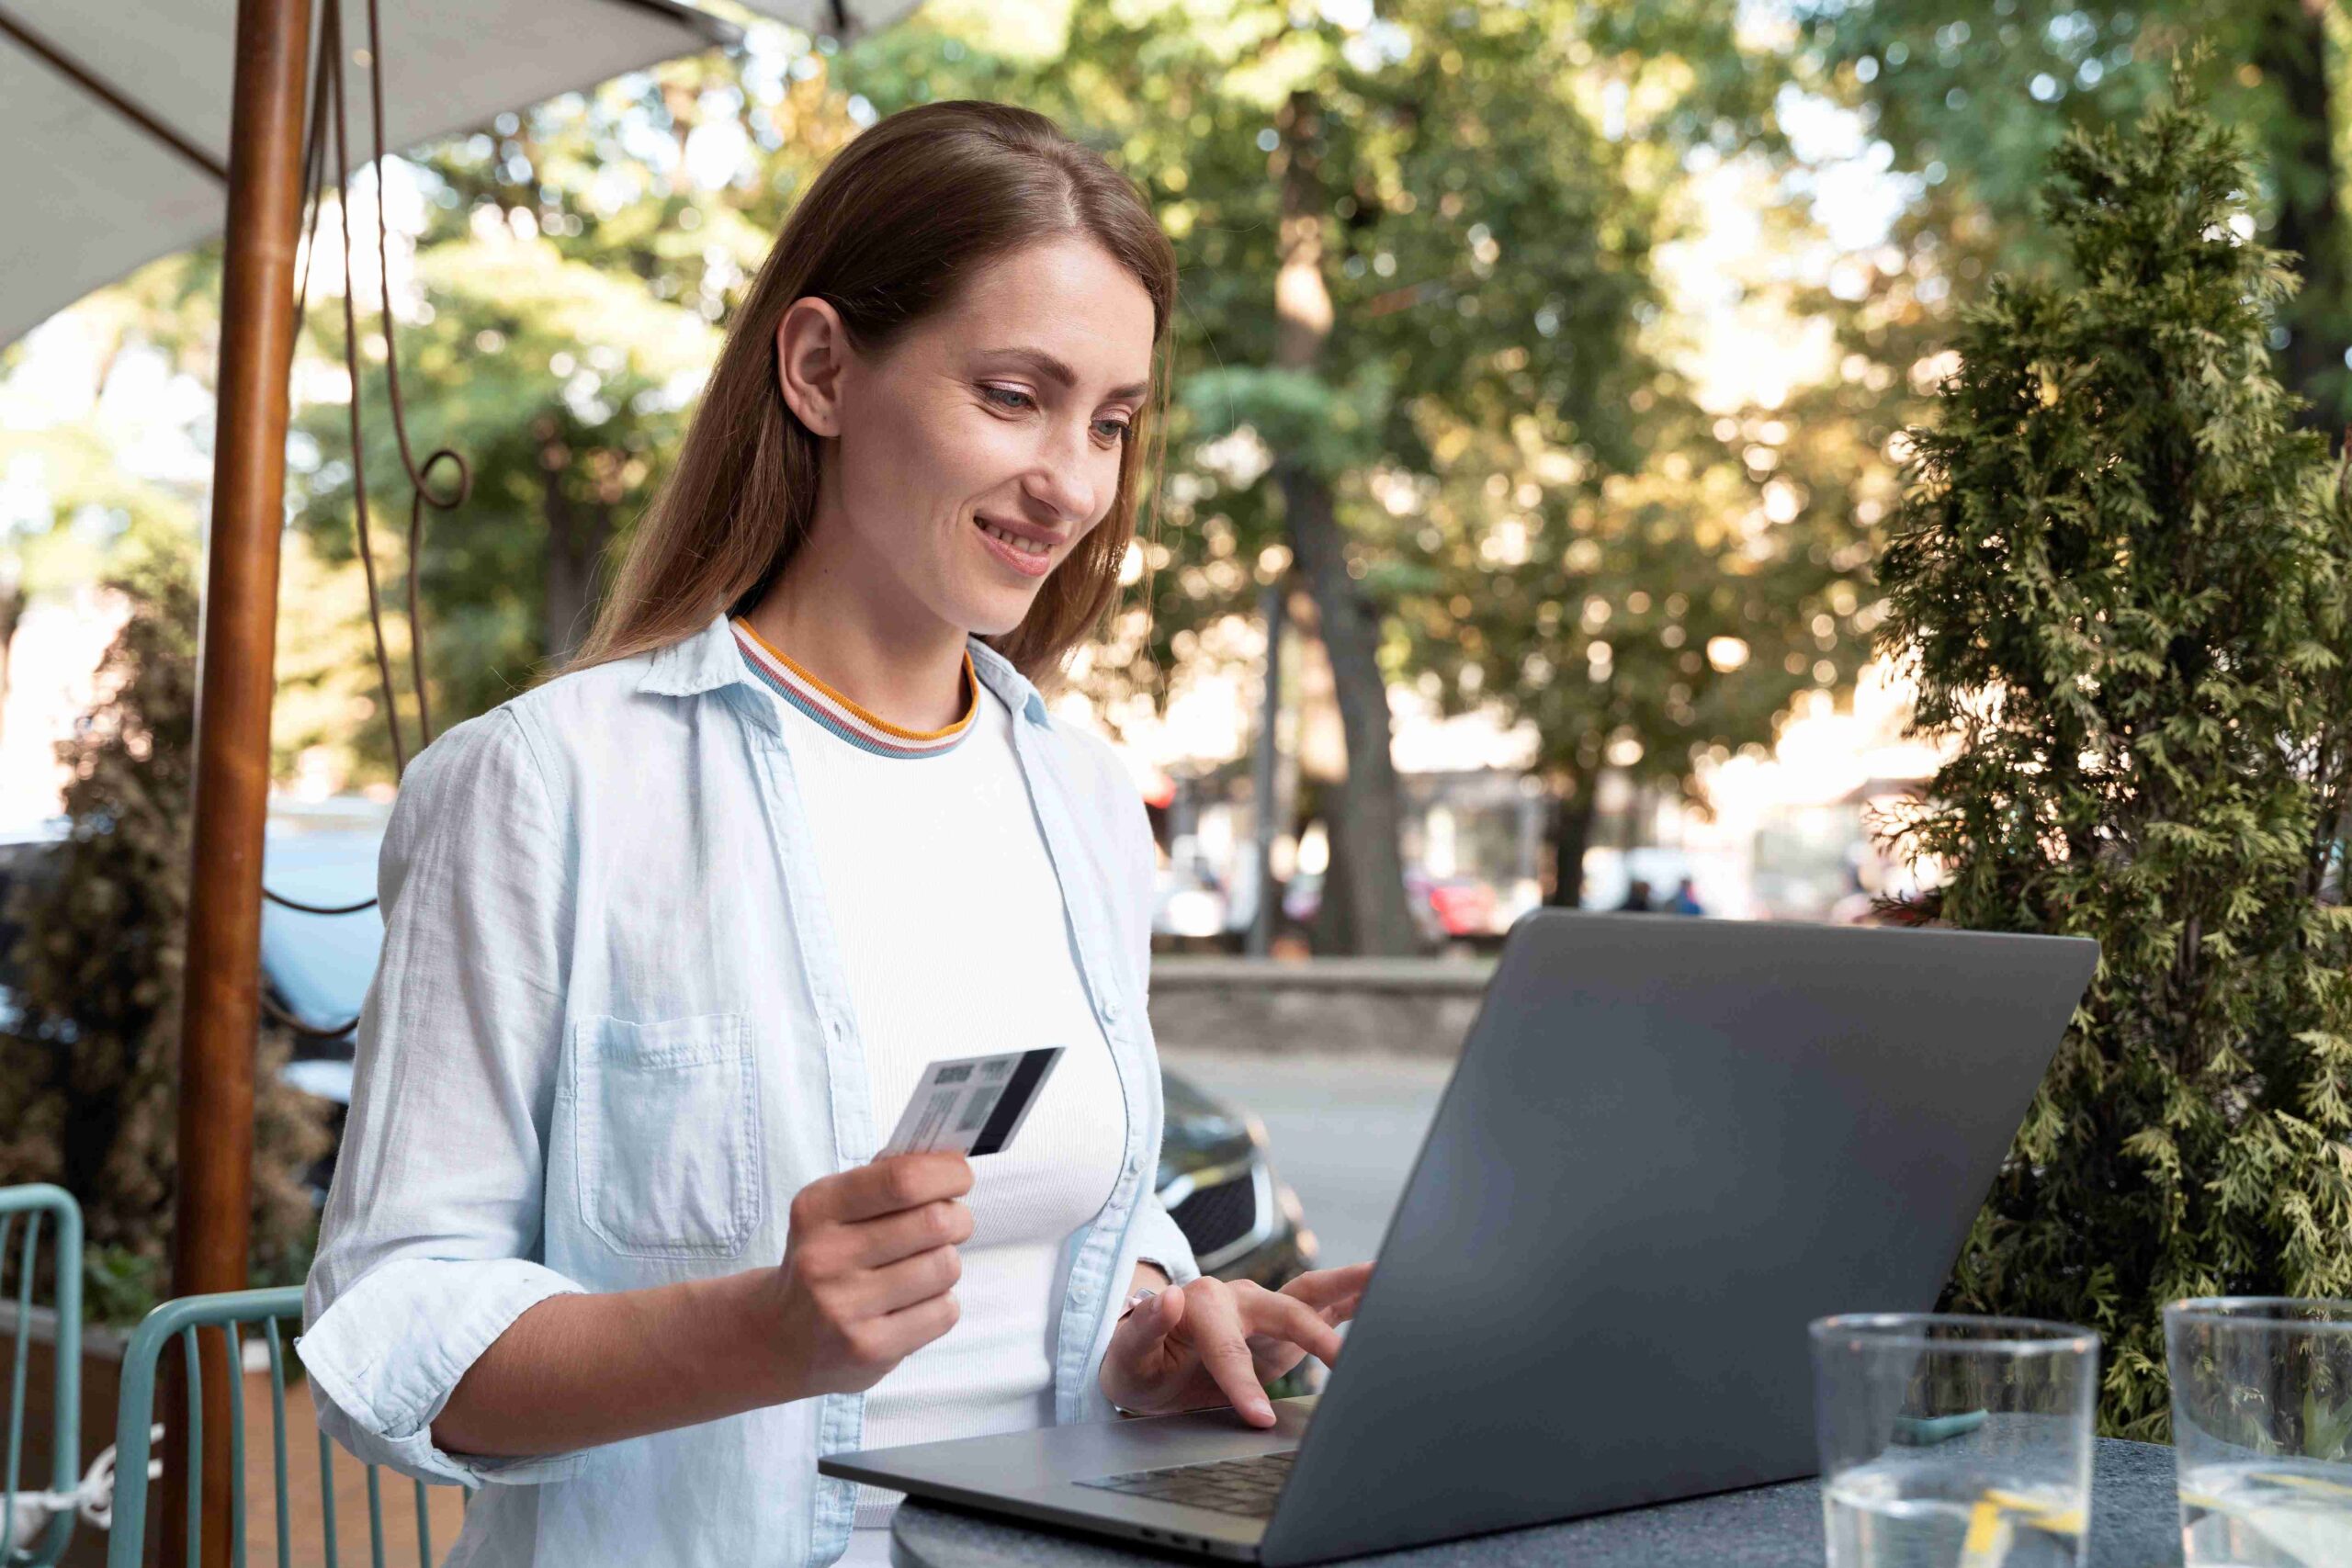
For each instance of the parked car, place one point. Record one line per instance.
(1215, 1173)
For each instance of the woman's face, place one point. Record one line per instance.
(967, 463)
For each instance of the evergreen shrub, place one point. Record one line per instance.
(2122, 575)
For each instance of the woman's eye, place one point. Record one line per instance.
(1118, 429)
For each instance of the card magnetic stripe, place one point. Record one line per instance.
(1013, 1105)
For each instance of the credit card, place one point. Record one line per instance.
(971, 1104)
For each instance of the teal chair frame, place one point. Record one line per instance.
(180, 1320)
(33, 1203)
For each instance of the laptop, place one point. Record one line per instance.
(1668, 1144)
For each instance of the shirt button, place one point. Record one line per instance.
(1110, 1010)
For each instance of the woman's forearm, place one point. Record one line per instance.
(577, 1370)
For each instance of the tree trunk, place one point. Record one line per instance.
(2294, 56)
(1372, 883)
(1569, 830)
(1334, 926)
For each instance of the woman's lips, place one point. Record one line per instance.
(1022, 555)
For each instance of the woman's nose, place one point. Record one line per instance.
(1062, 477)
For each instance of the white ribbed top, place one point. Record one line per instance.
(951, 935)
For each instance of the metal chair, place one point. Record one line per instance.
(48, 1543)
(180, 1320)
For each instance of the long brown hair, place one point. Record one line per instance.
(888, 232)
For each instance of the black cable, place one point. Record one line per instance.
(282, 900)
(286, 1020)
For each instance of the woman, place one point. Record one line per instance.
(669, 939)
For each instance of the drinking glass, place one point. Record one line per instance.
(2262, 1430)
(1954, 1442)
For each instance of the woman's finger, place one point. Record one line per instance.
(1141, 1368)
(1323, 1288)
(1140, 1340)
(942, 1221)
(912, 1280)
(1221, 1340)
(1272, 1314)
(882, 1186)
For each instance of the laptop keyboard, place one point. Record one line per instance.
(1243, 1486)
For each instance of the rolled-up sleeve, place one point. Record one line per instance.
(430, 1245)
(1161, 1241)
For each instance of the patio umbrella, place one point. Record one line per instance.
(847, 20)
(116, 115)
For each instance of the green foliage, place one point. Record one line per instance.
(563, 385)
(1331, 430)
(2126, 579)
(88, 1068)
(1973, 98)
(1669, 612)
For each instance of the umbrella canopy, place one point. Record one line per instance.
(116, 116)
(847, 20)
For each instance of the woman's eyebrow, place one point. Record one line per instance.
(1053, 370)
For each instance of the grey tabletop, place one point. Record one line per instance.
(2133, 1525)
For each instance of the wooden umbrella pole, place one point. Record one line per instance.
(235, 679)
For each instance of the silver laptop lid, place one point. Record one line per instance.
(1668, 1144)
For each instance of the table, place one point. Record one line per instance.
(2133, 1525)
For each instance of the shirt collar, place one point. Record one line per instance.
(710, 660)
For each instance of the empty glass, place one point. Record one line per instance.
(2262, 1430)
(1954, 1442)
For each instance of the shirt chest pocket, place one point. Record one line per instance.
(668, 1134)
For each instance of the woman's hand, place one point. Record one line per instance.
(1210, 1343)
(868, 1272)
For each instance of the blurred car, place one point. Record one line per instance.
(1188, 904)
(1444, 908)
(1460, 906)
(1215, 1175)
(1195, 907)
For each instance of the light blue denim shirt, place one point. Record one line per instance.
(608, 1040)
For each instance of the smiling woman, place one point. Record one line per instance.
(670, 939)
(960, 290)
(972, 458)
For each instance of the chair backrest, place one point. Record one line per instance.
(31, 1204)
(180, 1322)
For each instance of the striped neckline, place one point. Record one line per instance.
(833, 712)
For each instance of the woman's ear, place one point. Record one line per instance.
(812, 352)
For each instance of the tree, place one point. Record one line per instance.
(89, 1055)
(1971, 98)
(2126, 580)
(1650, 622)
